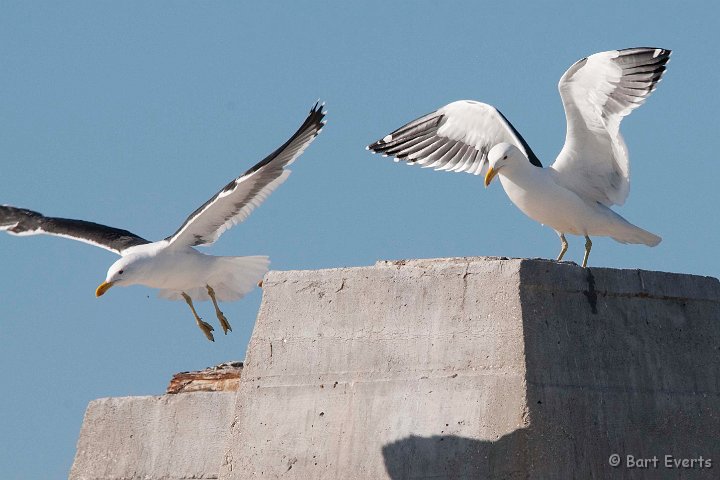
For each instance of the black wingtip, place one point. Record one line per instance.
(660, 56)
(316, 116)
(318, 107)
(418, 127)
(378, 146)
(18, 219)
(312, 125)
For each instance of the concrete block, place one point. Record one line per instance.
(478, 368)
(171, 437)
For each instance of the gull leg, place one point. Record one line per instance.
(204, 326)
(588, 246)
(223, 321)
(563, 248)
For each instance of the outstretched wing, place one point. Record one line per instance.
(238, 199)
(597, 92)
(456, 138)
(20, 221)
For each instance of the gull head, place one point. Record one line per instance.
(125, 271)
(503, 155)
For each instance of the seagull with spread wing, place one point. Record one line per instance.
(173, 265)
(591, 173)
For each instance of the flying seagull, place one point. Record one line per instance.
(591, 173)
(173, 265)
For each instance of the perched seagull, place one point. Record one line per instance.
(173, 265)
(591, 173)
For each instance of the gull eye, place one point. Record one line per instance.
(121, 272)
(505, 157)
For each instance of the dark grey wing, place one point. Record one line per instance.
(238, 199)
(456, 138)
(20, 221)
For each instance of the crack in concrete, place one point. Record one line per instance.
(591, 293)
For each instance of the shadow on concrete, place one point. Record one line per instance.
(450, 457)
(454, 457)
(612, 366)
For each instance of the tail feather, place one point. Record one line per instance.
(633, 234)
(239, 276)
(232, 279)
(623, 231)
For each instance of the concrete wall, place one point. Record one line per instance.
(173, 437)
(620, 361)
(477, 368)
(343, 363)
(452, 368)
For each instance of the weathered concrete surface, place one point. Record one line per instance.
(171, 437)
(478, 368)
(620, 361)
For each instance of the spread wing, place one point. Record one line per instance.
(455, 138)
(597, 92)
(238, 199)
(20, 221)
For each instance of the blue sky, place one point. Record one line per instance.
(133, 114)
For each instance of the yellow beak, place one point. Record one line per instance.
(490, 175)
(104, 287)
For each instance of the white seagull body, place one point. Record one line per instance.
(591, 173)
(172, 265)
